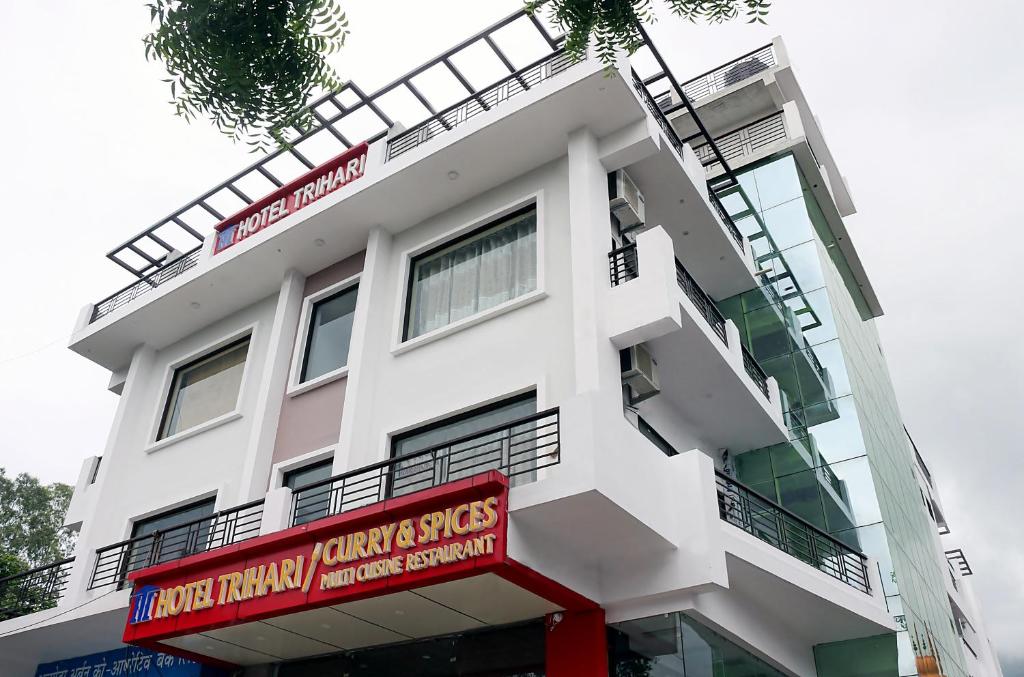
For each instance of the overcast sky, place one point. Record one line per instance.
(921, 104)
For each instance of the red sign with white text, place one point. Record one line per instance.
(291, 197)
(433, 536)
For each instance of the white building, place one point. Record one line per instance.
(575, 374)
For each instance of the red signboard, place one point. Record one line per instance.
(430, 537)
(292, 197)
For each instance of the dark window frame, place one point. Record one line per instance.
(656, 438)
(458, 418)
(288, 474)
(354, 287)
(169, 395)
(212, 501)
(451, 242)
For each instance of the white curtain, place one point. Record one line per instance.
(481, 272)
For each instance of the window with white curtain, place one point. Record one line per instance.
(479, 271)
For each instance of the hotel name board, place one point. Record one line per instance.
(340, 561)
(407, 542)
(292, 197)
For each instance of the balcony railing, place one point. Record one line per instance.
(755, 372)
(115, 562)
(726, 219)
(146, 284)
(744, 508)
(741, 142)
(518, 449)
(33, 590)
(622, 264)
(480, 102)
(737, 70)
(700, 299)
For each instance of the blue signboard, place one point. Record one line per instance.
(129, 661)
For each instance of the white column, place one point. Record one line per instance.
(142, 364)
(590, 237)
(355, 448)
(270, 391)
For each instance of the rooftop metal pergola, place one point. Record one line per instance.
(432, 98)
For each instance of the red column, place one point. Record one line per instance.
(576, 644)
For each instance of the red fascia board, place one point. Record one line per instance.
(292, 186)
(352, 519)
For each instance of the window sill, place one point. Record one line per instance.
(466, 322)
(322, 380)
(193, 431)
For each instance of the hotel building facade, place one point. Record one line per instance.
(520, 366)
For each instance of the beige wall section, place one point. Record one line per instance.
(311, 420)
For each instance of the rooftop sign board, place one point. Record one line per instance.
(291, 197)
(436, 535)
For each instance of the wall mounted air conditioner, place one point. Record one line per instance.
(627, 202)
(640, 373)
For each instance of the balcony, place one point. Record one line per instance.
(705, 372)
(747, 510)
(34, 590)
(520, 450)
(115, 562)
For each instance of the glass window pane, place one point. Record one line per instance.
(798, 493)
(313, 503)
(205, 389)
(330, 331)
(788, 224)
(479, 272)
(504, 449)
(778, 181)
(813, 312)
(174, 541)
(753, 467)
(835, 427)
(803, 263)
(858, 490)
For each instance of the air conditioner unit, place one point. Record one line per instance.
(640, 373)
(627, 202)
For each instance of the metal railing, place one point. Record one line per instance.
(744, 508)
(115, 562)
(754, 371)
(741, 142)
(148, 283)
(701, 299)
(670, 132)
(957, 557)
(659, 114)
(339, 120)
(737, 70)
(730, 225)
(518, 449)
(34, 590)
(622, 264)
(480, 102)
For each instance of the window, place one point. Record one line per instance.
(330, 331)
(652, 434)
(313, 503)
(479, 271)
(176, 534)
(505, 449)
(204, 389)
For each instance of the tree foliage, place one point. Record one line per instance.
(249, 66)
(613, 23)
(32, 522)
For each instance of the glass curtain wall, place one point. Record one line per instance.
(675, 645)
(841, 466)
